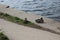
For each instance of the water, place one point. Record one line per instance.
(48, 8)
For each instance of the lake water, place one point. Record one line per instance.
(47, 8)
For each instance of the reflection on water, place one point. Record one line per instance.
(48, 8)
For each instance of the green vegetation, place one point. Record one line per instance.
(19, 21)
(3, 37)
(14, 19)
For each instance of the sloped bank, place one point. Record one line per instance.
(19, 21)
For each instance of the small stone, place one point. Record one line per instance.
(7, 6)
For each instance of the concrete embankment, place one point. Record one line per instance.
(20, 32)
(49, 23)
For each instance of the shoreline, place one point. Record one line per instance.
(14, 31)
(49, 23)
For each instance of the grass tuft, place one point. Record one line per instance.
(3, 37)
